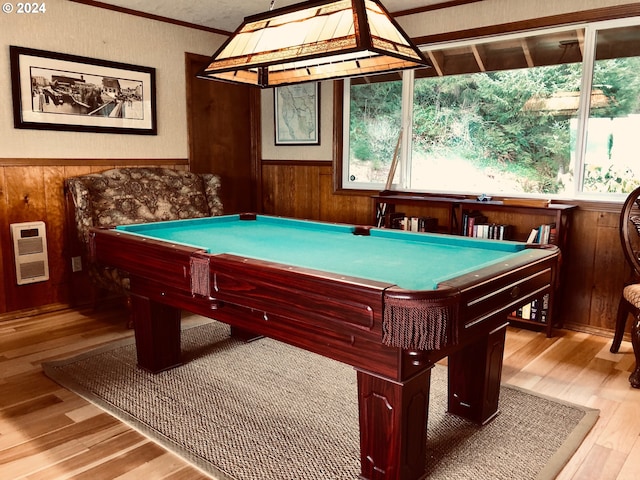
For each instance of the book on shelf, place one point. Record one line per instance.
(544, 311)
(546, 233)
(536, 311)
(420, 224)
(424, 224)
(469, 220)
(475, 224)
(395, 220)
(401, 221)
(492, 231)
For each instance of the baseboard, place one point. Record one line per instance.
(30, 312)
(599, 331)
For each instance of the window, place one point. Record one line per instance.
(611, 161)
(551, 113)
(374, 119)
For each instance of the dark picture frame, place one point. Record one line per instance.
(57, 91)
(297, 114)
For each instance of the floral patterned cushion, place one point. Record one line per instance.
(137, 195)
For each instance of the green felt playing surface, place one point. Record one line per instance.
(413, 261)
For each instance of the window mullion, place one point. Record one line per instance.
(588, 62)
(408, 77)
(346, 136)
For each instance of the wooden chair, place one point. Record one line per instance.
(630, 299)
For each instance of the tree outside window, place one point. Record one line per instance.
(513, 131)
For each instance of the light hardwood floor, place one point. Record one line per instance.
(46, 432)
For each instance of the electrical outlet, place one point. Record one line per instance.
(76, 264)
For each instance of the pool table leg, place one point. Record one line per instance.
(157, 331)
(393, 433)
(474, 377)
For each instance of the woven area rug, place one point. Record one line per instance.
(267, 411)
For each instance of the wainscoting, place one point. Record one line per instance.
(594, 264)
(32, 190)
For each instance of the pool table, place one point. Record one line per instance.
(390, 303)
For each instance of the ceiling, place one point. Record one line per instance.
(227, 15)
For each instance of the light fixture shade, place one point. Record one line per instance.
(311, 41)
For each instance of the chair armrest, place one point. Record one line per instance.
(212, 184)
(78, 200)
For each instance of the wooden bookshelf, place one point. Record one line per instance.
(522, 215)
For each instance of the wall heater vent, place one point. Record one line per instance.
(30, 252)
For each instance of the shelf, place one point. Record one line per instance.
(522, 214)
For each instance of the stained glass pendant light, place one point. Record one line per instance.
(312, 41)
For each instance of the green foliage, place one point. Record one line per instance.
(480, 116)
(618, 79)
(375, 121)
(507, 120)
(611, 180)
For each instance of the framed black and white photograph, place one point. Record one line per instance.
(297, 114)
(56, 91)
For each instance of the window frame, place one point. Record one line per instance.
(590, 26)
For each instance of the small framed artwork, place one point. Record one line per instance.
(56, 91)
(297, 114)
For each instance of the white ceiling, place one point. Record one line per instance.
(227, 15)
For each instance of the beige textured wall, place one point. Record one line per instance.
(494, 12)
(77, 29)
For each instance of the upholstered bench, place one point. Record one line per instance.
(132, 195)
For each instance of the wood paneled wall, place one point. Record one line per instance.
(595, 267)
(594, 263)
(32, 190)
(305, 190)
